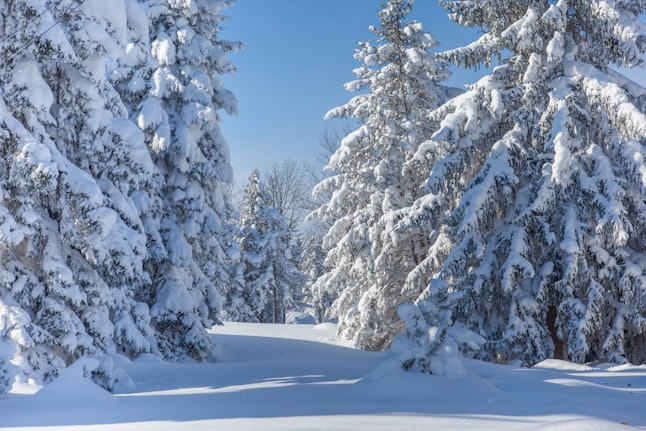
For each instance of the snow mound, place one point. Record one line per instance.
(300, 318)
(74, 386)
(560, 365)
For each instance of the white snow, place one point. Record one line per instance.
(26, 75)
(297, 377)
(163, 50)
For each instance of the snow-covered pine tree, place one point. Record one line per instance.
(237, 307)
(234, 308)
(312, 267)
(537, 197)
(72, 244)
(400, 79)
(268, 264)
(177, 96)
(286, 185)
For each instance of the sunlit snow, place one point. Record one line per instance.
(298, 377)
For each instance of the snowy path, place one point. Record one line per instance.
(273, 377)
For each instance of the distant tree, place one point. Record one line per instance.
(287, 186)
(401, 81)
(537, 197)
(312, 266)
(268, 263)
(285, 183)
(238, 302)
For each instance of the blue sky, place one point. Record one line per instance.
(298, 56)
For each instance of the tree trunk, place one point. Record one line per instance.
(560, 351)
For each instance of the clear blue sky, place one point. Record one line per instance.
(298, 56)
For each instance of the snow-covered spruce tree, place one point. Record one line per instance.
(72, 245)
(286, 185)
(177, 96)
(312, 267)
(268, 264)
(400, 78)
(537, 198)
(233, 307)
(237, 307)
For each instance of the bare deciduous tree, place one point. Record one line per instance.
(286, 185)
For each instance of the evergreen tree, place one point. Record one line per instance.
(234, 307)
(268, 262)
(285, 184)
(72, 245)
(177, 94)
(86, 214)
(366, 269)
(312, 266)
(536, 204)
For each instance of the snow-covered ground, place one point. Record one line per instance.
(296, 377)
